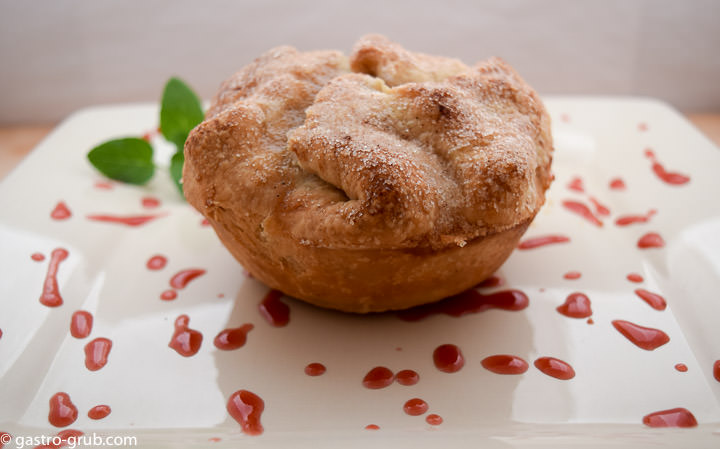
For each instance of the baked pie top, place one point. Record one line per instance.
(387, 149)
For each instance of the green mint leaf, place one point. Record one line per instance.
(127, 160)
(176, 168)
(180, 112)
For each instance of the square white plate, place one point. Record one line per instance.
(165, 400)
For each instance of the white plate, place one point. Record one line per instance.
(164, 399)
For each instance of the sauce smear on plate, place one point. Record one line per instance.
(645, 338)
(275, 312)
(675, 417)
(185, 341)
(96, 353)
(555, 368)
(246, 408)
(81, 324)
(378, 377)
(467, 302)
(577, 305)
(448, 358)
(62, 410)
(51, 293)
(505, 364)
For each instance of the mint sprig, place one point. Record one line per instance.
(176, 168)
(130, 159)
(180, 112)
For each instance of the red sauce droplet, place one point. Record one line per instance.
(617, 184)
(655, 301)
(60, 212)
(536, 242)
(672, 178)
(675, 417)
(315, 369)
(716, 370)
(99, 412)
(626, 220)
(234, 338)
(434, 419)
(415, 407)
(504, 364)
(372, 427)
(643, 337)
(634, 277)
(103, 185)
(150, 202)
(156, 262)
(37, 257)
(651, 240)
(555, 368)
(246, 408)
(681, 367)
(1, 334)
(62, 411)
(469, 301)
(600, 208)
(407, 377)
(576, 184)
(214, 439)
(168, 295)
(582, 210)
(182, 278)
(642, 126)
(492, 281)
(132, 220)
(51, 293)
(205, 222)
(577, 305)
(185, 341)
(572, 275)
(96, 353)
(378, 377)
(275, 312)
(590, 321)
(448, 358)
(81, 324)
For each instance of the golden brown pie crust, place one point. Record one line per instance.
(378, 182)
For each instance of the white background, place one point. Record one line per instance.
(59, 56)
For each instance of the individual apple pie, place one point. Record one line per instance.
(376, 182)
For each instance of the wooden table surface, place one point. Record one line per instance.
(17, 141)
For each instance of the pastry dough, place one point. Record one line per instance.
(376, 182)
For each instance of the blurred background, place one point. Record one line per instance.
(60, 56)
